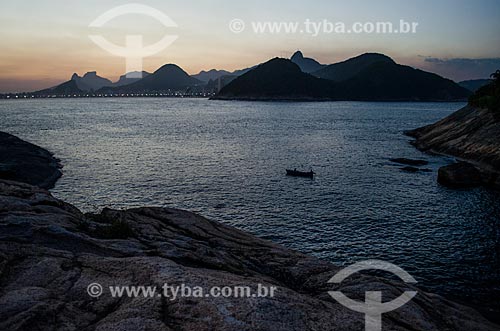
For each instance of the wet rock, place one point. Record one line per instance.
(410, 162)
(459, 175)
(471, 134)
(410, 169)
(50, 252)
(413, 169)
(27, 163)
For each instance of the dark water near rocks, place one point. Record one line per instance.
(227, 160)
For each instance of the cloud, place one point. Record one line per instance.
(462, 68)
(495, 62)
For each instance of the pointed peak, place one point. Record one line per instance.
(75, 76)
(297, 55)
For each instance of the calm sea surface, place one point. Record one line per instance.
(227, 160)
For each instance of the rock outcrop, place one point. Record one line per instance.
(50, 252)
(459, 175)
(471, 134)
(410, 162)
(27, 163)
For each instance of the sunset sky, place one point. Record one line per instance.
(44, 42)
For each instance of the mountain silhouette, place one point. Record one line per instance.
(90, 81)
(206, 76)
(381, 80)
(124, 80)
(367, 77)
(277, 79)
(306, 64)
(389, 81)
(347, 69)
(77, 85)
(474, 84)
(67, 88)
(169, 77)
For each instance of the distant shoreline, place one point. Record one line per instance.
(23, 96)
(30, 97)
(263, 99)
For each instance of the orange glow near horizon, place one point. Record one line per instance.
(44, 43)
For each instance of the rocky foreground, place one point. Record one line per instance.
(471, 134)
(50, 252)
(27, 163)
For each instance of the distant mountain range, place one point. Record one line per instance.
(369, 76)
(169, 77)
(389, 81)
(90, 82)
(474, 84)
(206, 76)
(130, 78)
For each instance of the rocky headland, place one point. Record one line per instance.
(471, 134)
(27, 163)
(50, 252)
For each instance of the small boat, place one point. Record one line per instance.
(296, 173)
